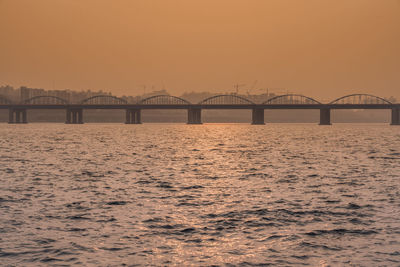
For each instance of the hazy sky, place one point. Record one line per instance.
(320, 48)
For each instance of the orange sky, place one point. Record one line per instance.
(320, 48)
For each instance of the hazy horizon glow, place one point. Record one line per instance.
(324, 49)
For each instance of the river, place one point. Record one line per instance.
(212, 194)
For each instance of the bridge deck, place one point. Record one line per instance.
(216, 106)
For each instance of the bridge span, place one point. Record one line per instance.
(74, 111)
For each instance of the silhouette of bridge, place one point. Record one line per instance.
(74, 111)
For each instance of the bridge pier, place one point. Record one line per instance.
(325, 116)
(133, 116)
(258, 116)
(395, 116)
(10, 116)
(17, 115)
(68, 116)
(80, 116)
(194, 116)
(24, 116)
(74, 116)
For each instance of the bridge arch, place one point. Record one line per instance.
(46, 100)
(4, 100)
(361, 99)
(226, 100)
(104, 100)
(291, 99)
(164, 100)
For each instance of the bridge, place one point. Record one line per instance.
(74, 111)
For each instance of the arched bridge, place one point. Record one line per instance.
(104, 100)
(74, 111)
(291, 99)
(46, 100)
(226, 100)
(361, 99)
(163, 100)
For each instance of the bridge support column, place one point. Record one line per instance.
(80, 116)
(17, 116)
(138, 116)
(325, 116)
(128, 116)
(194, 116)
(68, 116)
(74, 116)
(24, 116)
(11, 115)
(258, 116)
(395, 116)
(133, 116)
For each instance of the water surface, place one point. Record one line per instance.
(175, 194)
